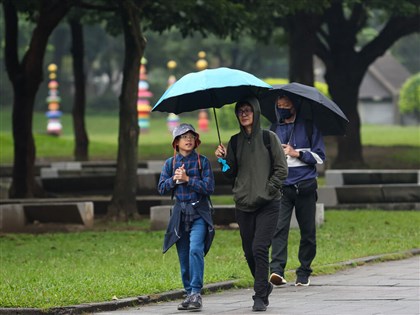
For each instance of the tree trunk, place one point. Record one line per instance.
(302, 28)
(123, 204)
(26, 78)
(346, 64)
(345, 92)
(80, 134)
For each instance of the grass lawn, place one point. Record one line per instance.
(384, 146)
(125, 260)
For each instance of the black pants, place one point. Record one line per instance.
(257, 229)
(304, 203)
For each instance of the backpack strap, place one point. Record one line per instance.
(267, 143)
(309, 130)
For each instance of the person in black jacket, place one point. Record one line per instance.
(259, 172)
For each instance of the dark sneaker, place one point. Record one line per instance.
(269, 290)
(195, 302)
(302, 281)
(277, 279)
(184, 305)
(259, 305)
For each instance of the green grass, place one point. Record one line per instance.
(103, 136)
(385, 135)
(50, 270)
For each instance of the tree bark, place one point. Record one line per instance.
(80, 134)
(123, 203)
(26, 76)
(302, 28)
(346, 66)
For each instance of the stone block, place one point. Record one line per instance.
(359, 194)
(159, 217)
(319, 217)
(67, 165)
(401, 193)
(223, 215)
(155, 165)
(147, 181)
(12, 218)
(327, 196)
(21, 217)
(371, 177)
(47, 172)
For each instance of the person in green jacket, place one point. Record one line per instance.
(258, 170)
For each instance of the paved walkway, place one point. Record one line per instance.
(381, 288)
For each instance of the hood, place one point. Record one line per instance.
(255, 104)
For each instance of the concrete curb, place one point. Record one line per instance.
(176, 294)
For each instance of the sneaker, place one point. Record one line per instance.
(184, 305)
(302, 281)
(277, 279)
(195, 302)
(269, 290)
(259, 305)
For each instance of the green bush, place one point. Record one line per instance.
(409, 101)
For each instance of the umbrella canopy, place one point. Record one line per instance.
(327, 116)
(209, 88)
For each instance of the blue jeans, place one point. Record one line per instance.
(190, 248)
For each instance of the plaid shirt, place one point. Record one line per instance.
(197, 186)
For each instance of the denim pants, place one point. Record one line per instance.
(305, 207)
(257, 229)
(190, 248)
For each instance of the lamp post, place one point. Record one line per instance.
(203, 117)
(173, 120)
(53, 114)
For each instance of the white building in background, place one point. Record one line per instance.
(379, 91)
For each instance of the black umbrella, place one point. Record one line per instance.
(312, 104)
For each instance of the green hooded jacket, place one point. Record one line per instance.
(256, 181)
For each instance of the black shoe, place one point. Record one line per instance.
(277, 279)
(269, 290)
(195, 302)
(184, 305)
(259, 305)
(302, 281)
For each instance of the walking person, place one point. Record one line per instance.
(255, 159)
(189, 177)
(304, 148)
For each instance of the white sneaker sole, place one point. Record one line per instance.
(298, 284)
(277, 280)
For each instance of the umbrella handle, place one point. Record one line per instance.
(217, 125)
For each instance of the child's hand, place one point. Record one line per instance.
(181, 174)
(220, 151)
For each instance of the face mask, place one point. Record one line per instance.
(285, 113)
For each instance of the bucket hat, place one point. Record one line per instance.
(182, 129)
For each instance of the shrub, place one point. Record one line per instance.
(409, 102)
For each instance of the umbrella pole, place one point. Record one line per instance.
(217, 125)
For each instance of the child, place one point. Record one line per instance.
(190, 178)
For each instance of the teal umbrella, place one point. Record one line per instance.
(210, 88)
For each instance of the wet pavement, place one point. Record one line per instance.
(391, 287)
